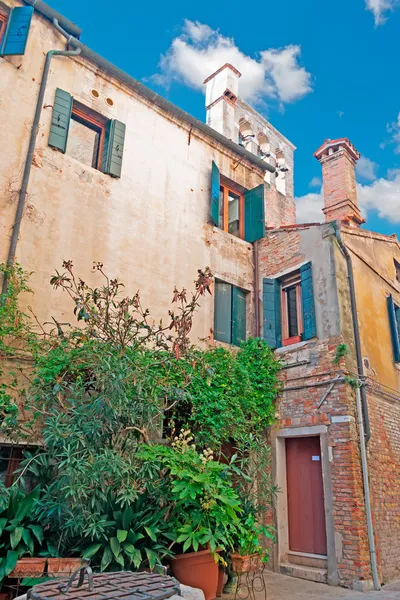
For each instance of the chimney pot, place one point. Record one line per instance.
(221, 93)
(338, 159)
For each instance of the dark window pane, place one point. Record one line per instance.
(233, 213)
(292, 311)
(397, 267)
(10, 458)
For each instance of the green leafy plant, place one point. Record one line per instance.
(100, 393)
(203, 506)
(20, 533)
(248, 537)
(136, 536)
(341, 351)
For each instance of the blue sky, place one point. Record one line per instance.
(316, 70)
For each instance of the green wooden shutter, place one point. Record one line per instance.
(59, 127)
(238, 316)
(17, 31)
(307, 299)
(214, 200)
(394, 328)
(113, 148)
(223, 312)
(254, 214)
(272, 329)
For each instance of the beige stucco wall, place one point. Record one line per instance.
(149, 227)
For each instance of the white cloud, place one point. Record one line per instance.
(309, 208)
(315, 182)
(379, 8)
(382, 196)
(366, 169)
(199, 51)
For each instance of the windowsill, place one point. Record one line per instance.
(297, 346)
(230, 235)
(72, 162)
(296, 339)
(227, 345)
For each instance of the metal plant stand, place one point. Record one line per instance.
(251, 585)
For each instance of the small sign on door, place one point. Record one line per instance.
(316, 458)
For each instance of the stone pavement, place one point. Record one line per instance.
(282, 587)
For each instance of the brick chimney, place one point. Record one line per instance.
(221, 94)
(338, 159)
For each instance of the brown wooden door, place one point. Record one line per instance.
(305, 491)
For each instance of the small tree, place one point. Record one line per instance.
(99, 390)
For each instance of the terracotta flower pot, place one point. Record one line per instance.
(197, 569)
(245, 564)
(28, 567)
(63, 566)
(221, 581)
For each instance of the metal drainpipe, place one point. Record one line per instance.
(362, 413)
(356, 328)
(31, 149)
(256, 290)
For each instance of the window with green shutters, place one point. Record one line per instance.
(240, 213)
(394, 322)
(85, 135)
(289, 309)
(229, 313)
(14, 31)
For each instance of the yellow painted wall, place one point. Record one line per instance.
(374, 275)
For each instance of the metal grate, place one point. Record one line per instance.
(124, 585)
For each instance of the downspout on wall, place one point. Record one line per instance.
(31, 149)
(362, 410)
(256, 284)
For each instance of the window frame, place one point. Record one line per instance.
(293, 279)
(225, 212)
(3, 25)
(396, 270)
(93, 121)
(231, 341)
(14, 460)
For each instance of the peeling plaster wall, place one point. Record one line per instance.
(149, 228)
(374, 275)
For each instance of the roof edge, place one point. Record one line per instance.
(141, 89)
(168, 106)
(46, 10)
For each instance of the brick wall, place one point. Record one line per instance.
(278, 209)
(384, 470)
(308, 364)
(299, 408)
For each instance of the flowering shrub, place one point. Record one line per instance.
(98, 394)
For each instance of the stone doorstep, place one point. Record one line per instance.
(303, 572)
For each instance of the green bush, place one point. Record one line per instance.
(99, 395)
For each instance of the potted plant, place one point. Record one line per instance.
(20, 536)
(249, 554)
(203, 509)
